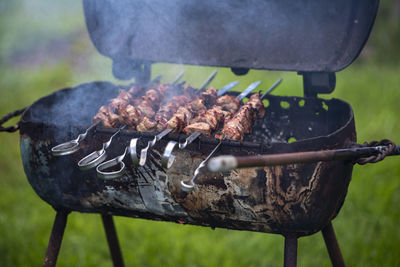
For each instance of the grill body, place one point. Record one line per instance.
(290, 200)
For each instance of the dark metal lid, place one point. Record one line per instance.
(301, 35)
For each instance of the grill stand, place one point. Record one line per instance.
(332, 245)
(57, 234)
(56, 237)
(290, 252)
(112, 240)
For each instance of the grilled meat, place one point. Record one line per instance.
(186, 113)
(107, 117)
(228, 103)
(256, 103)
(209, 97)
(202, 127)
(126, 109)
(241, 123)
(146, 125)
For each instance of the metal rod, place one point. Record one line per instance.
(112, 240)
(178, 78)
(226, 163)
(272, 88)
(56, 237)
(226, 88)
(188, 186)
(290, 253)
(333, 246)
(209, 80)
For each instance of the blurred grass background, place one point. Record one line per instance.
(44, 46)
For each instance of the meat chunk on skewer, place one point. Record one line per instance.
(229, 103)
(129, 115)
(256, 103)
(106, 116)
(146, 125)
(186, 113)
(209, 96)
(202, 127)
(240, 124)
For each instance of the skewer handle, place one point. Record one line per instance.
(226, 163)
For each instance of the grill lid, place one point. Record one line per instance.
(301, 35)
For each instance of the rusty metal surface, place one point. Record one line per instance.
(293, 200)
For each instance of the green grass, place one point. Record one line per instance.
(366, 227)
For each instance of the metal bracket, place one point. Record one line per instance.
(125, 69)
(315, 83)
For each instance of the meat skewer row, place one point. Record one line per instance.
(181, 118)
(143, 154)
(256, 110)
(165, 112)
(223, 109)
(118, 163)
(207, 121)
(241, 123)
(108, 115)
(125, 110)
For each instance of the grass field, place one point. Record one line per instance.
(366, 227)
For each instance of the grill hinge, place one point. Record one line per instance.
(315, 83)
(126, 69)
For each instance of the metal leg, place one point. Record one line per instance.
(290, 254)
(332, 245)
(112, 240)
(56, 237)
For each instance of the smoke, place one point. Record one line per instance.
(72, 107)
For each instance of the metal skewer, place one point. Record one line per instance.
(100, 169)
(188, 186)
(209, 80)
(158, 137)
(72, 146)
(97, 157)
(168, 159)
(178, 78)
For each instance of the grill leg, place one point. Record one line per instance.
(290, 254)
(112, 240)
(332, 245)
(55, 239)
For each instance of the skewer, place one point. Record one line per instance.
(188, 186)
(100, 169)
(97, 157)
(168, 159)
(178, 78)
(72, 146)
(158, 137)
(209, 80)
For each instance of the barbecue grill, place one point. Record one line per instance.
(315, 39)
